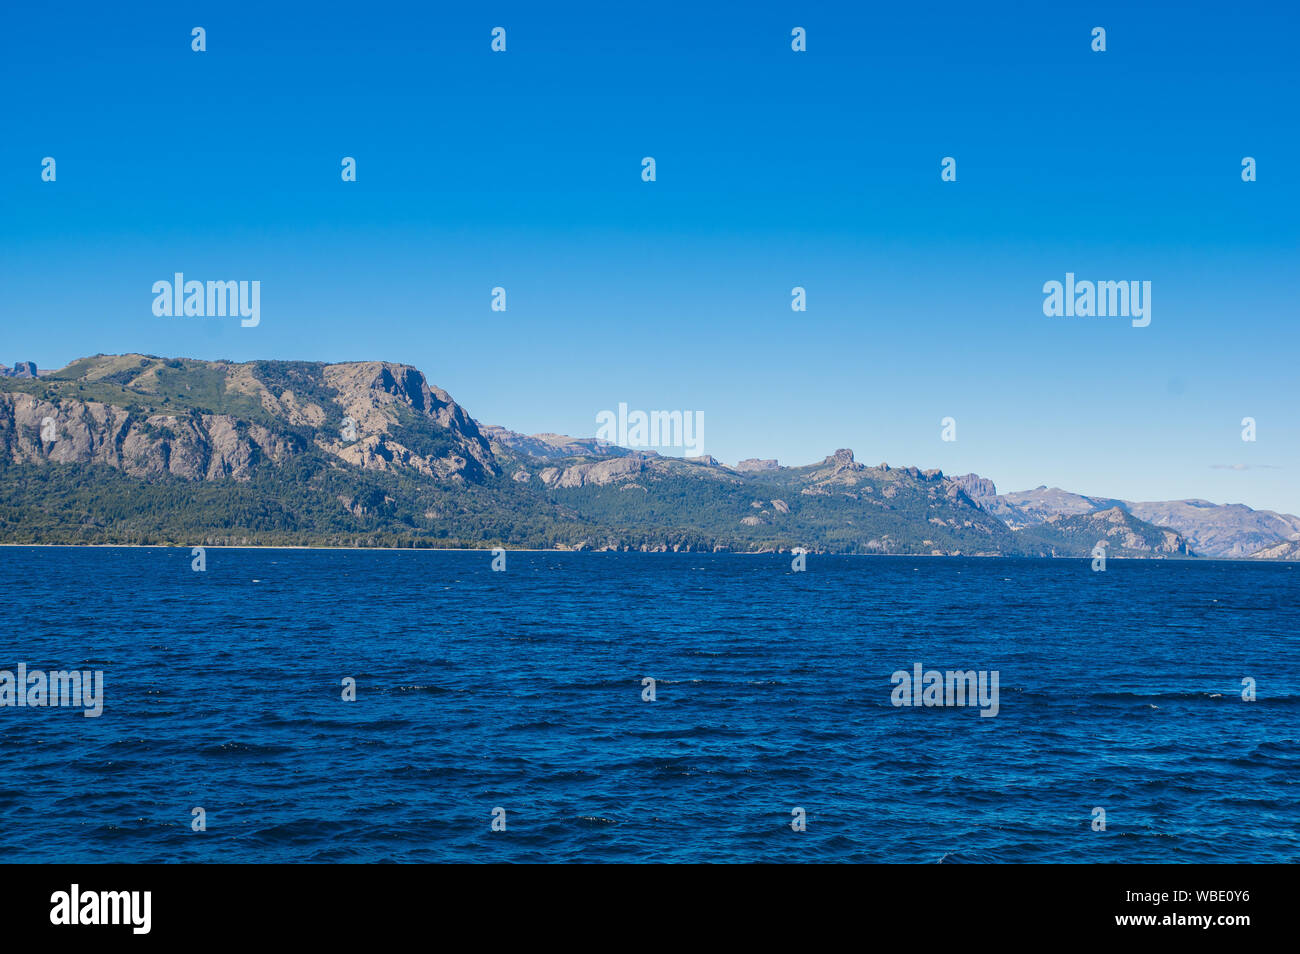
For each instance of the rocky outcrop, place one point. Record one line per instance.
(374, 394)
(1124, 534)
(1288, 550)
(842, 459)
(190, 446)
(552, 446)
(975, 487)
(837, 469)
(396, 419)
(597, 474)
(1121, 528)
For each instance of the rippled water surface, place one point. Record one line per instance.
(522, 690)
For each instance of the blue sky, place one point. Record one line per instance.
(775, 169)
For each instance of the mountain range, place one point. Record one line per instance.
(137, 449)
(1216, 530)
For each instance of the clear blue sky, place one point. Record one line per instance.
(775, 169)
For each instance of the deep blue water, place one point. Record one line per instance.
(522, 690)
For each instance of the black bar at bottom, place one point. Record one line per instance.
(338, 903)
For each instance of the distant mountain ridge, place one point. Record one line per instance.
(142, 449)
(1217, 530)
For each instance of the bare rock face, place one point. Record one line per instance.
(193, 447)
(376, 452)
(974, 486)
(401, 421)
(371, 392)
(553, 446)
(367, 389)
(839, 464)
(85, 432)
(1287, 550)
(835, 472)
(21, 369)
(598, 473)
(753, 463)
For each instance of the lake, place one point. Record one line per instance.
(525, 691)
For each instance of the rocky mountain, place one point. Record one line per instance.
(1124, 534)
(553, 446)
(1221, 530)
(975, 487)
(1217, 530)
(198, 420)
(1027, 508)
(21, 369)
(1289, 550)
(141, 449)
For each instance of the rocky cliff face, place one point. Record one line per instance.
(975, 487)
(598, 473)
(150, 416)
(368, 390)
(192, 446)
(389, 405)
(1289, 550)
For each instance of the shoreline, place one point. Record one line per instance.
(909, 556)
